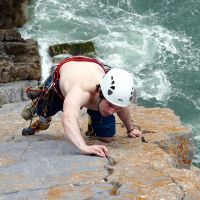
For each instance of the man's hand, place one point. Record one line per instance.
(135, 133)
(98, 150)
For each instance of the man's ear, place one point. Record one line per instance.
(134, 97)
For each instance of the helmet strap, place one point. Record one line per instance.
(100, 96)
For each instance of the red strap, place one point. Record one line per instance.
(31, 89)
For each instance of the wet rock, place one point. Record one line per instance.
(10, 35)
(83, 48)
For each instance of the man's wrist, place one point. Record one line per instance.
(133, 127)
(130, 130)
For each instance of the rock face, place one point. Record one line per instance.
(19, 59)
(15, 91)
(12, 13)
(45, 166)
(61, 51)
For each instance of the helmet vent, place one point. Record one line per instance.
(131, 95)
(120, 100)
(110, 92)
(112, 79)
(112, 87)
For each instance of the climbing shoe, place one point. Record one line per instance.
(39, 125)
(28, 111)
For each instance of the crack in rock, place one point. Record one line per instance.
(32, 190)
(116, 185)
(110, 170)
(181, 188)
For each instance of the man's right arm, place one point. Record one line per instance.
(74, 100)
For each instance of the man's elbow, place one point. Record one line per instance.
(106, 139)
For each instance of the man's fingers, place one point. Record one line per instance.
(98, 150)
(105, 150)
(132, 135)
(135, 133)
(101, 153)
(102, 150)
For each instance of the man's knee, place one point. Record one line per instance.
(106, 139)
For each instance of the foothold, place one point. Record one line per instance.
(111, 161)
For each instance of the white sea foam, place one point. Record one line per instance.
(125, 41)
(157, 86)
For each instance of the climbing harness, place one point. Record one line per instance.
(45, 94)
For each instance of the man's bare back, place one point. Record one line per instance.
(85, 74)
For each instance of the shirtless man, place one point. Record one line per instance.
(85, 82)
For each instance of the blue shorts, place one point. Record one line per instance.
(102, 126)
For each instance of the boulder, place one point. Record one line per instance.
(66, 49)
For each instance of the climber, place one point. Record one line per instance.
(78, 82)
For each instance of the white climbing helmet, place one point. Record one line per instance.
(118, 87)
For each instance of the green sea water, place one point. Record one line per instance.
(157, 40)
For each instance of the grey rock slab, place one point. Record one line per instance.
(14, 91)
(67, 192)
(44, 164)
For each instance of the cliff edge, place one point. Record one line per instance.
(46, 166)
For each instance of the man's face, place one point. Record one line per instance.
(106, 108)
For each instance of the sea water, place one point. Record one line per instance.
(158, 41)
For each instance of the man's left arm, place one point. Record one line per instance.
(125, 117)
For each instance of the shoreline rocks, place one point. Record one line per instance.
(15, 91)
(13, 13)
(19, 58)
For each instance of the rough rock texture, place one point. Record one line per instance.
(15, 91)
(46, 166)
(12, 13)
(66, 49)
(19, 59)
